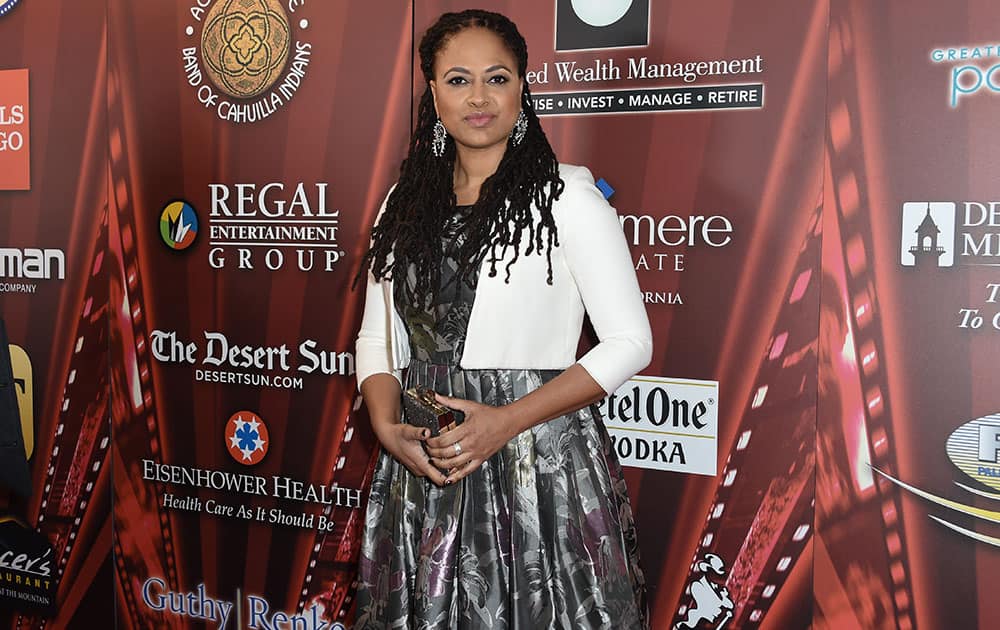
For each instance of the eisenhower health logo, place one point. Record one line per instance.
(247, 439)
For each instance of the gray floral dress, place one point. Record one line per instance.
(540, 536)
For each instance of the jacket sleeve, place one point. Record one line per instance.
(601, 265)
(373, 351)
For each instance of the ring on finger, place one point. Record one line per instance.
(458, 448)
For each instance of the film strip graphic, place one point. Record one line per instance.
(82, 433)
(331, 577)
(762, 515)
(849, 196)
(148, 550)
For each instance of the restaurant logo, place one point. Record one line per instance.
(27, 568)
(592, 24)
(245, 59)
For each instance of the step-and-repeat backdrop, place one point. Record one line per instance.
(810, 197)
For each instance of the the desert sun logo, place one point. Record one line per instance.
(246, 438)
(178, 225)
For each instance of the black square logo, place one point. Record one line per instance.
(589, 24)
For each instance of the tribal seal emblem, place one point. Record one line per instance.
(244, 45)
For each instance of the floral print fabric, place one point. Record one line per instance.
(540, 536)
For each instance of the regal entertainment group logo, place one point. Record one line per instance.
(593, 24)
(15, 149)
(178, 225)
(245, 59)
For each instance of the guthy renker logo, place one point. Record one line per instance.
(589, 24)
(928, 234)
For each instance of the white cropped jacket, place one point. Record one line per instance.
(529, 324)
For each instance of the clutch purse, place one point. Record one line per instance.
(421, 409)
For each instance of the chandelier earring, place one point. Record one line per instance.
(520, 128)
(440, 137)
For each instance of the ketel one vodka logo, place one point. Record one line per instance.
(245, 59)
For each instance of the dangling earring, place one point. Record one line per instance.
(440, 136)
(520, 128)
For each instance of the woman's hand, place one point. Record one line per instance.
(405, 442)
(485, 430)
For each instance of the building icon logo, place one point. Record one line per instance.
(928, 234)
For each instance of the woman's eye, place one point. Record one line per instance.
(456, 81)
(499, 79)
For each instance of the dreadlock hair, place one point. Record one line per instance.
(423, 201)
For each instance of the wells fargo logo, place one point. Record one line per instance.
(245, 45)
(248, 57)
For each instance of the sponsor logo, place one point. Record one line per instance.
(975, 70)
(273, 226)
(6, 6)
(18, 266)
(974, 448)
(663, 423)
(928, 234)
(24, 388)
(220, 360)
(246, 59)
(275, 486)
(711, 605)
(247, 439)
(571, 86)
(950, 234)
(15, 148)
(256, 611)
(592, 24)
(178, 225)
(26, 568)
(659, 243)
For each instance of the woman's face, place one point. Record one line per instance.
(477, 92)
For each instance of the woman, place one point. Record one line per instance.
(483, 259)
